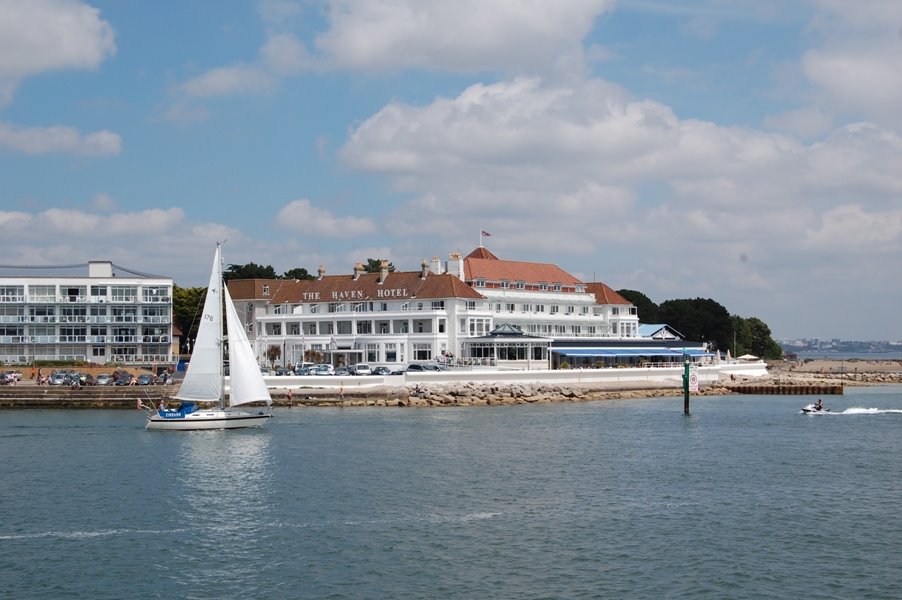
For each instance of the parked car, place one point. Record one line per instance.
(361, 369)
(342, 371)
(104, 379)
(324, 369)
(145, 379)
(12, 375)
(381, 371)
(58, 378)
(303, 366)
(86, 379)
(304, 371)
(283, 371)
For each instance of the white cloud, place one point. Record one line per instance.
(857, 65)
(234, 79)
(59, 138)
(302, 216)
(104, 202)
(45, 35)
(456, 35)
(285, 54)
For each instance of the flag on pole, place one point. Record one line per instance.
(485, 234)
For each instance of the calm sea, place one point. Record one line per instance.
(746, 498)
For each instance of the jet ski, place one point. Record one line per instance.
(809, 409)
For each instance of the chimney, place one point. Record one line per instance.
(424, 269)
(383, 270)
(321, 272)
(456, 265)
(436, 265)
(358, 269)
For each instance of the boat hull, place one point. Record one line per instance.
(209, 419)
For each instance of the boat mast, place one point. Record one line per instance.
(222, 324)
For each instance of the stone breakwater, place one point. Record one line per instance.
(477, 394)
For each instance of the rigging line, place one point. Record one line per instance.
(43, 266)
(138, 273)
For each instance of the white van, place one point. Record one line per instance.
(361, 369)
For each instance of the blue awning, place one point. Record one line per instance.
(614, 352)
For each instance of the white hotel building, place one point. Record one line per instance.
(477, 309)
(106, 316)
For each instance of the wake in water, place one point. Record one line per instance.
(860, 410)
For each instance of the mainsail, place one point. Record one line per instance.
(203, 381)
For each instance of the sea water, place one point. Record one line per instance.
(745, 498)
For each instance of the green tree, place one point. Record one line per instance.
(699, 319)
(187, 305)
(374, 265)
(249, 271)
(298, 273)
(645, 308)
(753, 337)
(273, 353)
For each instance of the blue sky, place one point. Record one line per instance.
(745, 151)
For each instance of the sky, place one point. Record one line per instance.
(747, 151)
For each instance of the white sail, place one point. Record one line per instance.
(245, 380)
(203, 380)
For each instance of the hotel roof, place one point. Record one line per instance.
(482, 264)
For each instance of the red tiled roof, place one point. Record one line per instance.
(252, 289)
(605, 295)
(344, 288)
(482, 264)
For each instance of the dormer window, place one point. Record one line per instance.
(266, 290)
(557, 287)
(521, 285)
(505, 284)
(480, 283)
(543, 287)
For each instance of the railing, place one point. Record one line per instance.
(71, 299)
(73, 339)
(13, 299)
(155, 339)
(13, 319)
(13, 339)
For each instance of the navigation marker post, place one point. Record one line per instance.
(685, 384)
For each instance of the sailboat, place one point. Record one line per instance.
(205, 379)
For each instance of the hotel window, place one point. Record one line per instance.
(557, 287)
(383, 306)
(314, 308)
(471, 304)
(510, 307)
(266, 290)
(277, 309)
(480, 283)
(560, 329)
(372, 353)
(40, 293)
(571, 310)
(364, 327)
(438, 305)
(15, 293)
(527, 308)
(441, 326)
(498, 307)
(615, 311)
(294, 328)
(521, 285)
(422, 352)
(391, 353)
(505, 284)
(540, 308)
(576, 329)
(555, 309)
(99, 291)
(543, 287)
(633, 310)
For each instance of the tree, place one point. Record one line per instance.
(645, 308)
(374, 265)
(298, 273)
(701, 319)
(249, 271)
(187, 304)
(273, 353)
(753, 337)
